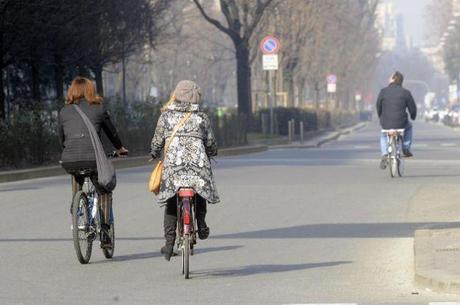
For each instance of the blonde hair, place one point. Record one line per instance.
(172, 99)
(82, 87)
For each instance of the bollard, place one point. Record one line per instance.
(301, 132)
(290, 131)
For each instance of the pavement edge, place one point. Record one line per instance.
(429, 273)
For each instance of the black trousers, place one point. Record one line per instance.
(170, 217)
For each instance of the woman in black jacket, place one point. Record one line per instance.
(77, 149)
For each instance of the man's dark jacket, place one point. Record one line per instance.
(391, 107)
(74, 135)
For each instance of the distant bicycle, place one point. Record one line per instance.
(395, 161)
(86, 220)
(186, 227)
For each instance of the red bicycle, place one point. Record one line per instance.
(186, 226)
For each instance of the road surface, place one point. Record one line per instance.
(295, 226)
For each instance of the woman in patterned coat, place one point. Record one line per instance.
(187, 161)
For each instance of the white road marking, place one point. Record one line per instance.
(445, 303)
(448, 144)
(361, 147)
(420, 145)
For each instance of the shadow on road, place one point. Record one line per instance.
(432, 176)
(18, 188)
(342, 230)
(262, 269)
(40, 240)
(147, 255)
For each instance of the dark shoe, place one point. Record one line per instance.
(167, 251)
(407, 153)
(203, 233)
(383, 162)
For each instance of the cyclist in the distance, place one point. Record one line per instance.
(77, 150)
(393, 103)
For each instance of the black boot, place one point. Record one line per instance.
(203, 229)
(106, 205)
(170, 220)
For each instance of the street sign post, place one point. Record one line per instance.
(270, 47)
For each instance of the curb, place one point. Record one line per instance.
(332, 136)
(429, 272)
(120, 163)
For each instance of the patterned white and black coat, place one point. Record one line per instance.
(187, 161)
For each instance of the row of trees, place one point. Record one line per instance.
(319, 37)
(44, 43)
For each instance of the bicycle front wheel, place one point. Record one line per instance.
(186, 257)
(81, 227)
(108, 252)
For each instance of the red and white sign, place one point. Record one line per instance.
(331, 79)
(270, 45)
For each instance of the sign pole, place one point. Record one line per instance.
(270, 46)
(272, 101)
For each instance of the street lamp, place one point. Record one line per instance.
(121, 27)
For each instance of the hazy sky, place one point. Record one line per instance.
(414, 16)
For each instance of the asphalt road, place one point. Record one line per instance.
(295, 226)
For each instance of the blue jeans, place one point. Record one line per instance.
(407, 139)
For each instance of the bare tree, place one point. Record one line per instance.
(242, 19)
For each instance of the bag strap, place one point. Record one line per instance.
(176, 128)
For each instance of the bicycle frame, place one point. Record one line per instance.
(186, 226)
(186, 209)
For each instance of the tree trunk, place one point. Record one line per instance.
(59, 79)
(2, 98)
(243, 72)
(289, 79)
(99, 82)
(35, 82)
(301, 92)
(317, 96)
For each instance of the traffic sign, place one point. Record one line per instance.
(270, 45)
(331, 79)
(331, 88)
(270, 61)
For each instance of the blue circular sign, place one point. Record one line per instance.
(270, 45)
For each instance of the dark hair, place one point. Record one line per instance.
(397, 78)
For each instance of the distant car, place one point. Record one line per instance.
(431, 115)
(453, 116)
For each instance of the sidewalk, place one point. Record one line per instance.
(313, 140)
(437, 259)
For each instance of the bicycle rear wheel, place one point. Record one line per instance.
(393, 160)
(186, 257)
(81, 227)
